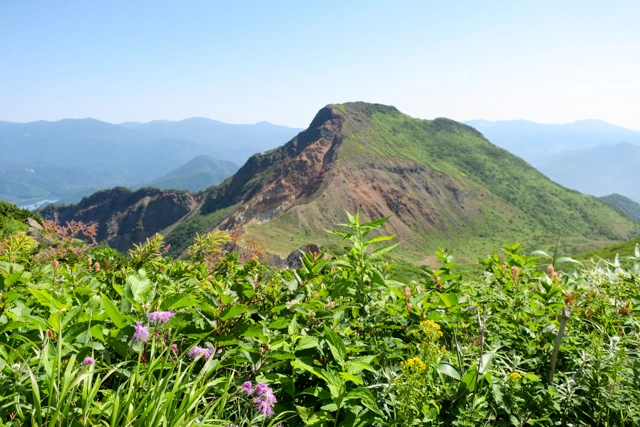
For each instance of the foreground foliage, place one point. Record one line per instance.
(91, 338)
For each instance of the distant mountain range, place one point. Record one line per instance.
(70, 158)
(590, 156)
(196, 175)
(625, 204)
(444, 184)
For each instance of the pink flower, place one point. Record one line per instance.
(266, 399)
(88, 361)
(195, 352)
(141, 333)
(247, 387)
(198, 351)
(160, 317)
(174, 348)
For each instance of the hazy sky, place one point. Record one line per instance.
(244, 62)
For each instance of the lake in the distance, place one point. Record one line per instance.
(36, 205)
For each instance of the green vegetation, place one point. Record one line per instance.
(442, 182)
(623, 249)
(625, 204)
(11, 218)
(88, 337)
(446, 186)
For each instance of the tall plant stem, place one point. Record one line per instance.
(554, 357)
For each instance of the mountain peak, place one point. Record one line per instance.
(441, 182)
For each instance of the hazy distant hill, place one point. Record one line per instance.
(196, 175)
(225, 141)
(535, 141)
(590, 156)
(73, 157)
(598, 171)
(625, 204)
(442, 182)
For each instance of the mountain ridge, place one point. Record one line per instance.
(443, 183)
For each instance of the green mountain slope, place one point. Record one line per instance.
(625, 204)
(609, 252)
(11, 218)
(198, 174)
(444, 184)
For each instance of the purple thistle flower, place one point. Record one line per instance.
(141, 333)
(247, 387)
(471, 307)
(160, 317)
(195, 352)
(263, 406)
(88, 361)
(265, 402)
(269, 397)
(262, 388)
(208, 353)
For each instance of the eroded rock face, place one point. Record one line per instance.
(276, 182)
(125, 217)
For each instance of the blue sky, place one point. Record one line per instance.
(280, 61)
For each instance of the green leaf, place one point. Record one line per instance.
(350, 377)
(567, 259)
(540, 254)
(449, 370)
(337, 347)
(233, 311)
(381, 239)
(381, 251)
(301, 365)
(365, 397)
(293, 326)
(487, 358)
(449, 299)
(96, 332)
(138, 287)
(177, 301)
(43, 296)
(306, 342)
(114, 314)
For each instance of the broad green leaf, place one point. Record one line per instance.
(449, 299)
(301, 365)
(365, 397)
(293, 327)
(96, 332)
(177, 301)
(337, 347)
(233, 311)
(306, 342)
(114, 314)
(43, 296)
(449, 370)
(350, 377)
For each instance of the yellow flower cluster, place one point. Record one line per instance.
(431, 328)
(415, 362)
(514, 376)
